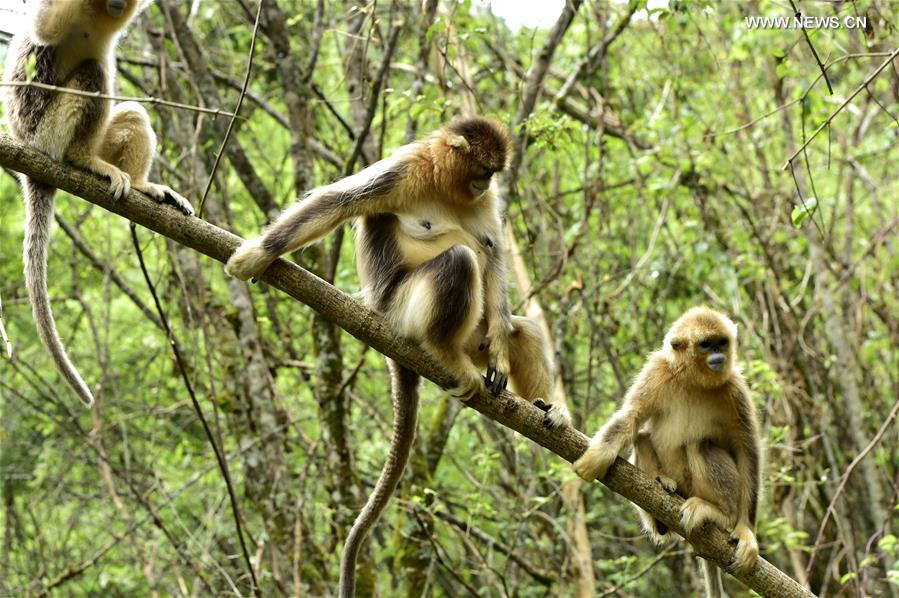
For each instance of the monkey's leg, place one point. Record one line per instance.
(440, 304)
(715, 488)
(646, 459)
(130, 144)
(75, 124)
(719, 483)
(531, 371)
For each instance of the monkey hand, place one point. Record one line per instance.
(747, 549)
(466, 388)
(557, 414)
(468, 382)
(249, 261)
(595, 461)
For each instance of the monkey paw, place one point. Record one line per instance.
(695, 511)
(466, 388)
(496, 379)
(119, 183)
(595, 462)
(747, 550)
(669, 485)
(165, 194)
(556, 414)
(248, 261)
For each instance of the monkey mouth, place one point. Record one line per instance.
(479, 186)
(716, 366)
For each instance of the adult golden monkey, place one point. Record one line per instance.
(71, 44)
(691, 421)
(429, 255)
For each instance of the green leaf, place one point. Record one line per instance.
(31, 67)
(801, 212)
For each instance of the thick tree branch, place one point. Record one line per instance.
(507, 409)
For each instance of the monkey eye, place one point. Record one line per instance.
(705, 346)
(484, 173)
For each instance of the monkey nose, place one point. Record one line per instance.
(716, 362)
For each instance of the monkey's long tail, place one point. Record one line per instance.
(404, 394)
(38, 217)
(714, 588)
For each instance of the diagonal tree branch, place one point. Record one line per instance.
(510, 410)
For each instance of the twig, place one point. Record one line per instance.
(243, 92)
(375, 93)
(106, 96)
(808, 89)
(808, 41)
(858, 90)
(223, 464)
(641, 572)
(842, 486)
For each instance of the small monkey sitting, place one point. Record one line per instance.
(71, 44)
(692, 424)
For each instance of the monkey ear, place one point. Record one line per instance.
(678, 343)
(458, 142)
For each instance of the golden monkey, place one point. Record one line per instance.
(429, 256)
(691, 421)
(71, 43)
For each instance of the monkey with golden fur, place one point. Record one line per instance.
(691, 421)
(71, 44)
(430, 259)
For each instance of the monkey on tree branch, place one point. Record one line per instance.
(429, 255)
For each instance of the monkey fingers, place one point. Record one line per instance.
(496, 380)
(747, 550)
(466, 388)
(165, 194)
(669, 485)
(696, 511)
(557, 415)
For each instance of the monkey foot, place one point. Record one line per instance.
(747, 550)
(669, 485)
(165, 194)
(555, 414)
(695, 511)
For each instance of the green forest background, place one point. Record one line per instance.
(651, 178)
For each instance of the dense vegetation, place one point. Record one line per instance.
(651, 178)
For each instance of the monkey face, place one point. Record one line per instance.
(714, 351)
(480, 181)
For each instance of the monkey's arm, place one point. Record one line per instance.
(640, 403)
(52, 20)
(749, 460)
(382, 187)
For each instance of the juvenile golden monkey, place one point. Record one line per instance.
(429, 255)
(691, 421)
(71, 43)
